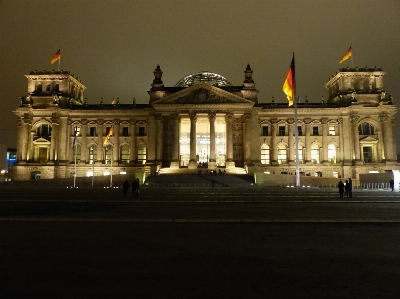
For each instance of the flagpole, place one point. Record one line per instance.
(59, 60)
(93, 172)
(296, 129)
(75, 164)
(112, 149)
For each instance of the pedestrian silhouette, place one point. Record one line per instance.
(137, 187)
(134, 189)
(341, 189)
(125, 187)
(391, 184)
(350, 188)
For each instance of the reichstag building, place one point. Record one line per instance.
(205, 122)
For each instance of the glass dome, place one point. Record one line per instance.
(203, 77)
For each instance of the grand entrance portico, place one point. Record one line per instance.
(200, 118)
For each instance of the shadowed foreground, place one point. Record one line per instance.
(95, 250)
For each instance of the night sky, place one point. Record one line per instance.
(114, 46)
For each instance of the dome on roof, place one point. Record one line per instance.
(203, 77)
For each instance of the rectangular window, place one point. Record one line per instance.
(92, 131)
(125, 131)
(331, 130)
(300, 131)
(142, 131)
(264, 131)
(367, 154)
(315, 131)
(281, 130)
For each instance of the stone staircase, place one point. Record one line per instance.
(197, 179)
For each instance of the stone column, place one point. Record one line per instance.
(356, 139)
(340, 153)
(30, 155)
(229, 141)
(24, 139)
(324, 148)
(53, 140)
(347, 141)
(255, 148)
(175, 142)
(247, 138)
(380, 145)
(69, 150)
(274, 149)
(193, 158)
(100, 149)
(84, 149)
(212, 160)
(291, 141)
(116, 129)
(151, 140)
(132, 152)
(386, 124)
(63, 143)
(159, 138)
(307, 157)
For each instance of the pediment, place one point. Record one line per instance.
(368, 139)
(41, 140)
(202, 94)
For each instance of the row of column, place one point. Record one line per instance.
(175, 119)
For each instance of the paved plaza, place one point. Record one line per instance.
(249, 242)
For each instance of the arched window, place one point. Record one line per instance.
(366, 129)
(124, 153)
(48, 88)
(92, 154)
(264, 154)
(39, 88)
(44, 130)
(282, 154)
(315, 153)
(108, 154)
(332, 153)
(141, 154)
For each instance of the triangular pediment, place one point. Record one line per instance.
(41, 140)
(202, 94)
(368, 139)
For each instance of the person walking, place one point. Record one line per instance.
(350, 188)
(125, 187)
(346, 188)
(391, 184)
(134, 189)
(137, 187)
(341, 189)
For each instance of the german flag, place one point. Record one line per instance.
(110, 132)
(346, 56)
(289, 86)
(56, 56)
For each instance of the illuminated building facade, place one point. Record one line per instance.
(205, 121)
